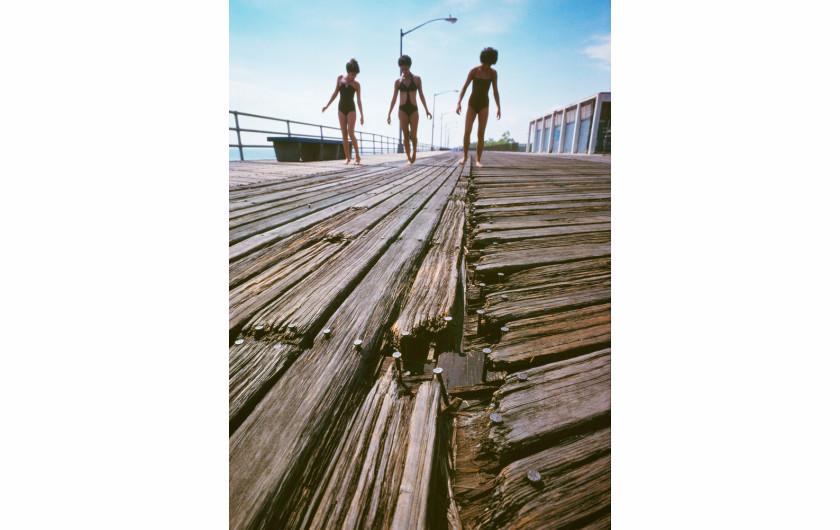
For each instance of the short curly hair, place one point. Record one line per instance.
(352, 66)
(404, 60)
(489, 55)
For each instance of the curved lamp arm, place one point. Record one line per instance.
(449, 19)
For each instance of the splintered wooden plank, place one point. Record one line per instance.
(257, 292)
(536, 209)
(281, 450)
(362, 485)
(371, 190)
(536, 341)
(414, 487)
(545, 299)
(574, 487)
(534, 257)
(281, 267)
(252, 365)
(543, 220)
(261, 240)
(333, 280)
(432, 296)
(539, 199)
(487, 237)
(553, 399)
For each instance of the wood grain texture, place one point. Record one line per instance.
(279, 452)
(555, 398)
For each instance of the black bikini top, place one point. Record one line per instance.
(410, 88)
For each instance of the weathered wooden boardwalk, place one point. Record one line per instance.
(498, 276)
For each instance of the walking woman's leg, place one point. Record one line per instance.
(351, 132)
(406, 140)
(468, 123)
(479, 145)
(342, 122)
(413, 120)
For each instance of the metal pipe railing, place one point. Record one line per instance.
(369, 143)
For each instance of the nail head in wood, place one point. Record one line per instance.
(239, 341)
(496, 417)
(486, 350)
(534, 476)
(358, 344)
(504, 329)
(438, 370)
(522, 377)
(327, 332)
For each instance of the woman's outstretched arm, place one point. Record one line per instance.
(394, 99)
(335, 93)
(496, 95)
(463, 90)
(359, 99)
(422, 99)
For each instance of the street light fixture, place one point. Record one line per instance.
(433, 115)
(449, 19)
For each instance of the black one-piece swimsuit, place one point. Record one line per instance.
(479, 99)
(345, 102)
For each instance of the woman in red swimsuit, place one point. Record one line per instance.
(479, 105)
(348, 86)
(408, 86)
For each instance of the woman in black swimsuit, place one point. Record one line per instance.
(347, 86)
(479, 104)
(408, 86)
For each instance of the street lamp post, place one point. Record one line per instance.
(451, 20)
(441, 126)
(433, 115)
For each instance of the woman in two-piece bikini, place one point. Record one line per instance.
(408, 85)
(347, 86)
(479, 104)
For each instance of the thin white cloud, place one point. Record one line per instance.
(600, 53)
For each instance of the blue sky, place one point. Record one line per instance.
(285, 57)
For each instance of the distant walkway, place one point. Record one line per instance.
(256, 171)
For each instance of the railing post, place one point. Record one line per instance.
(288, 129)
(238, 137)
(322, 131)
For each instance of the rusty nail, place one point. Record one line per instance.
(438, 371)
(501, 276)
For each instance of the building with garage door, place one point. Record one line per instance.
(582, 127)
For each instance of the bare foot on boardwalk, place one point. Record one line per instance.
(358, 162)
(409, 162)
(479, 164)
(346, 161)
(461, 163)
